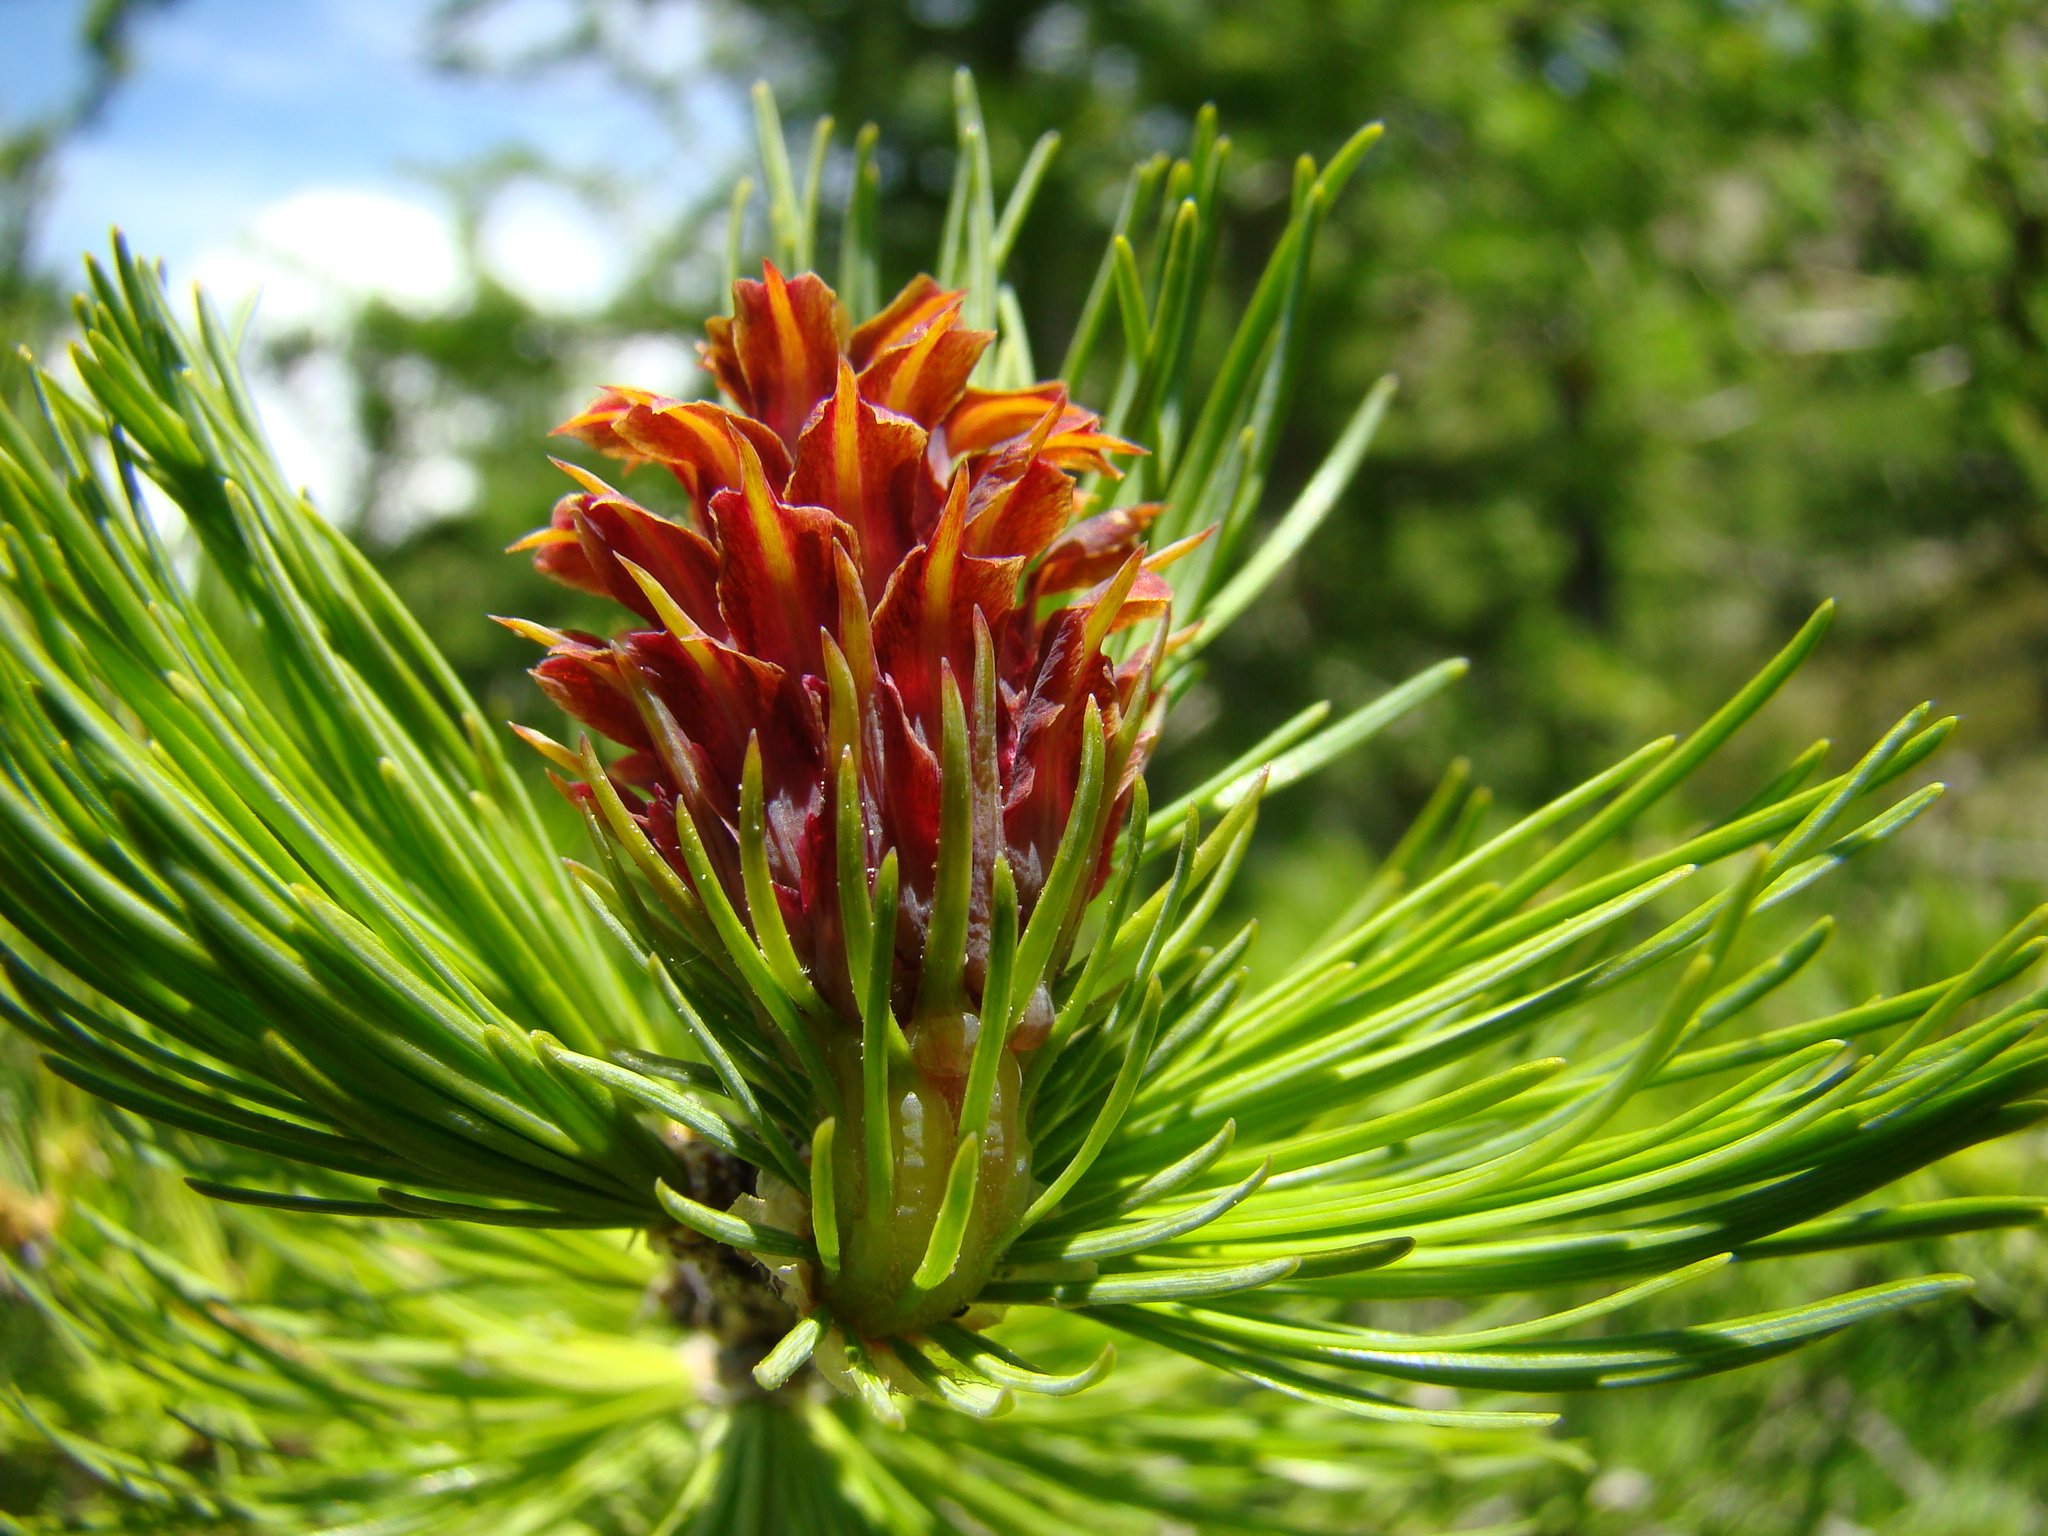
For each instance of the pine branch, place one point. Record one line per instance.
(876, 1068)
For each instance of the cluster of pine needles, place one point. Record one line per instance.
(274, 895)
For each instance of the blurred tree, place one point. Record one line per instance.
(1702, 311)
(28, 148)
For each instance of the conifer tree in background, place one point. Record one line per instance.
(873, 1126)
(1702, 313)
(29, 147)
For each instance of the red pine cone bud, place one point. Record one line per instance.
(871, 544)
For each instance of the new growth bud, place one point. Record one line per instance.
(875, 723)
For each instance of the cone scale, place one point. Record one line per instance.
(872, 718)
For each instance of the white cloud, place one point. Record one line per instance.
(308, 413)
(311, 256)
(306, 260)
(546, 245)
(656, 360)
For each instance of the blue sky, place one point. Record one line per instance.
(286, 151)
(235, 106)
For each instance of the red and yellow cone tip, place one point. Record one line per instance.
(870, 539)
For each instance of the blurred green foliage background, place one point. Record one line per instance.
(1703, 310)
